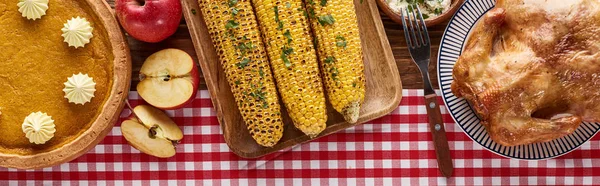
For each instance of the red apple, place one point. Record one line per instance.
(149, 20)
(151, 132)
(168, 79)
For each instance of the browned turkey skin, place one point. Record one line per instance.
(531, 69)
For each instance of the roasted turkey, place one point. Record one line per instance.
(531, 69)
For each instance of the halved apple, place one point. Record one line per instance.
(168, 79)
(152, 132)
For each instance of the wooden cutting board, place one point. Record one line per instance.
(384, 88)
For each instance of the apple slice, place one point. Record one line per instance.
(138, 136)
(152, 117)
(154, 133)
(168, 79)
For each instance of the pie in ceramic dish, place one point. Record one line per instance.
(39, 70)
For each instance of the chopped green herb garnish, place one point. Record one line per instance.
(326, 20)
(232, 3)
(334, 73)
(323, 2)
(234, 11)
(216, 7)
(286, 61)
(237, 82)
(311, 2)
(258, 94)
(243, 63)
(261, 73)
(361, 1)
(285, 51)
(354, 84)
(288, 4)
(425, 16)
(244, 47)
(437, 11)
(341, 41)
(303, 12)
(280, 24)
(230, 34)
(231, 24)
(194, 11)
(288, 36)
(329, 59)
(311, 12)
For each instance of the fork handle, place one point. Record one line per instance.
(438, 134)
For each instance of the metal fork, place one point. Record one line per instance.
(417, 39)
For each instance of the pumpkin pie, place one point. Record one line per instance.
(35, 62)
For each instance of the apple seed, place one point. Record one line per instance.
(152, 132)
(167, 78)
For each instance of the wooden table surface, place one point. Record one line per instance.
(411, 77)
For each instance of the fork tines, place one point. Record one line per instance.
(417, 35)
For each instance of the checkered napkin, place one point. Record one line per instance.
(392, 150)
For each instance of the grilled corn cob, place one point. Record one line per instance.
(234, 31)
(335, 27)
(290, 46)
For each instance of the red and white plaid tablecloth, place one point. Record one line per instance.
(393, 150)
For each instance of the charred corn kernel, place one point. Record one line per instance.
(234, 31)
(289, 43)
(335, 27)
